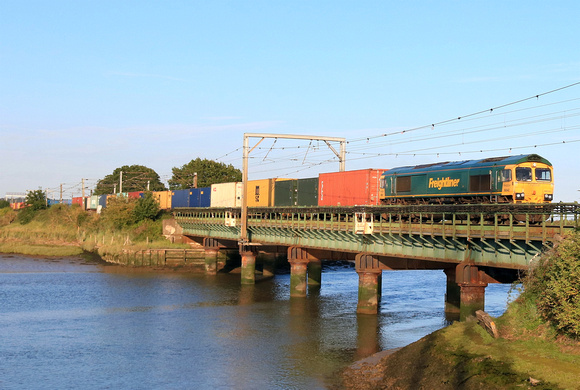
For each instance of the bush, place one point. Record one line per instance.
(26, 215)
(36, 200)
(146, 208)
(4, 203)
(555, 285)
(119, 213)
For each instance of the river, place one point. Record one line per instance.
(71, 323)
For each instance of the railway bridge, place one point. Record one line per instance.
(473, 244)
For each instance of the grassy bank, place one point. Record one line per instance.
(69, 231)
(538, 347)
(464, 356)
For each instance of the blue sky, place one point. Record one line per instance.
(86, 87)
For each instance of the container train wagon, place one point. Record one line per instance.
(513, 179)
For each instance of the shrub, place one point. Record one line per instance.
(26, 215)
(36, 199)
(119, 213)
(555, 284)
(146, 208)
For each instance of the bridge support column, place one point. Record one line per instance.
(368, 292)
(472, 283)
(299, 259)
(211, 256)
(298, 278)
(369, 272)
(315, 273)
(452, 293)
(211, 246)
(248, 275)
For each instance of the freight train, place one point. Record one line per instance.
(513, 179)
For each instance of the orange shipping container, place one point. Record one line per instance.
(349, 188)
(163, 198)
(260, 193)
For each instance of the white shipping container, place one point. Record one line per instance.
(226, 195)
(94, 202)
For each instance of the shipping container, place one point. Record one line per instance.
(349, 188)
(163, 198)
(260, 193)
(78, 200)
(135, 194)
(17, 205)
(226, 195)
(199, 197)
(300, 192)
(52, 202)
(180, 198)
(93, 202)
(103, 201)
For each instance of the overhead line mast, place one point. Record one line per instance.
(246, 152)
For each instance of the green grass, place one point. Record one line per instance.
(39, 250)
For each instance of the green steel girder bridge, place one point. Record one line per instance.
(474, 244)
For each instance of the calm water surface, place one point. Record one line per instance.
(73, 323)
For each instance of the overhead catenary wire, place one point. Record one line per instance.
(458, 118)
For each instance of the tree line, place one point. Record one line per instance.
(198, 172)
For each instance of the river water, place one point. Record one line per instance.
(72, 323)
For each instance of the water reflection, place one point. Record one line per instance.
(74, 323)
(368, 336)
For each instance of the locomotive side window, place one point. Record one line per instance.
(524, 174)
(479, 183)
(506, 175)
(543, 174)
(403, 183)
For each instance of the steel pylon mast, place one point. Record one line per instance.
(246, 152)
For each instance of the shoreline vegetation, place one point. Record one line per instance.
(62, 230)
(539, 335)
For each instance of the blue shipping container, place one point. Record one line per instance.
(103, 201)
(180, 198)
(200, 197)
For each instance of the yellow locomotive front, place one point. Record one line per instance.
(528, 182)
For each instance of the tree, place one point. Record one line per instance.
(208, 172)
(4, 203)
(135, 178)
(36, 199)
(146, 208)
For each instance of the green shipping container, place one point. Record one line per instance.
(301, 192)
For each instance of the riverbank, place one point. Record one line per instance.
(71, 231)
(465, 356)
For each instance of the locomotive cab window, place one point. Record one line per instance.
(523, 174)
(543, 174)
(506, 175)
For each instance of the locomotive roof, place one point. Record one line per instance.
(483, 163)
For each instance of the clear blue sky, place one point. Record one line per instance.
(86, 87)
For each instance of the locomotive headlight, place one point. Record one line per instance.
(520, 196)
(548, 196)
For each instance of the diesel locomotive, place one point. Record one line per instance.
(526, 178)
